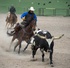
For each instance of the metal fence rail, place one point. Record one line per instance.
(40, 11)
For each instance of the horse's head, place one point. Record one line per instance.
(33, 25)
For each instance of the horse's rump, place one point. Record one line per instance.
(17, 28)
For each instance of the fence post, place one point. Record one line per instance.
(54, 12)
(42, 11)
(67, 12)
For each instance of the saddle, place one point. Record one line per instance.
(23, 24)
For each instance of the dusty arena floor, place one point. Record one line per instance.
(61, 56)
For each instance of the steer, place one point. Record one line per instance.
(45, 41)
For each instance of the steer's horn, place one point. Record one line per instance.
(59, 37)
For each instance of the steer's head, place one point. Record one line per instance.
(50, 44)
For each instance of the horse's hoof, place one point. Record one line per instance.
(42, 60)
(14, 50)
(18, 52)
(52, 65)
(23, 50)
(7, 50)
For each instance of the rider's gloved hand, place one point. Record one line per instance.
(23, 18)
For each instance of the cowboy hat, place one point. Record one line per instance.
(31, 8)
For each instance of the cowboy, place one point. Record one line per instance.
(26, 15)
(12, 9)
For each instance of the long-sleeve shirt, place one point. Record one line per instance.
(25, 14)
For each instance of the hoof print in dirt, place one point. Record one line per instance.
(52, 65)
(33, 59)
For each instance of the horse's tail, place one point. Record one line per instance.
(10, 33)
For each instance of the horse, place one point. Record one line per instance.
(22, 34)
(11, 19)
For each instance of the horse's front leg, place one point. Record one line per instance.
(6, 24)
(18, 43)
(42, 50)
(11, 24)
(15, 46)
(26, 47)
(19, 48)
(28, 42)
(12, 42)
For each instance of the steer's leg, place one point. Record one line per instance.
(51, 54)
(51, 58)
(33, 52)
(51, 62)
(42, 50)
(34, 49)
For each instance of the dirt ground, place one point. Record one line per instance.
(61, 56)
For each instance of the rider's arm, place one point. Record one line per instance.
(23, 15)
(35, 17)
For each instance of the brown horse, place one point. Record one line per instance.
(23, 34)
(11, 19)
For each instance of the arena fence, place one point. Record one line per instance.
(55, 12)
(42, 11)
(50, 11)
